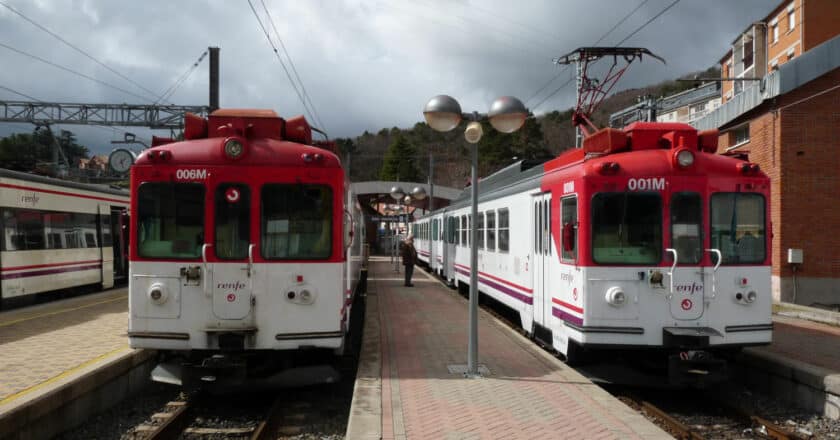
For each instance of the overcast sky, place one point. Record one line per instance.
(365, 64)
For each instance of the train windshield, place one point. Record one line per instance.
(686, 226)
(626, 228)
(170, 220)
(738, 227)
(296, 221)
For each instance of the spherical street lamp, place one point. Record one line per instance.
(507, 114)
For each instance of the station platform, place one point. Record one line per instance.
(55, 353)
(802, 364)
(406, 387)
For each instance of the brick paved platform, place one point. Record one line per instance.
(45, 343)
(528, 394)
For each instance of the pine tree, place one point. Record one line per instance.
(400, 162)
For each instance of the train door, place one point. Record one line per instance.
(232, 275)
(106, 253)
(118, 238)
(541, 250)
(687, 289)
(449, 252)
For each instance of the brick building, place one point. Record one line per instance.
(789, 124)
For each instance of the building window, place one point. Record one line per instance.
(791, 17)
(741, 135)
(748, 52)
(776, 33)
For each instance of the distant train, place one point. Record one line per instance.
(246, 250)
(644, 240)
(58, 235)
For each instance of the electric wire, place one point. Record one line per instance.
(277, 54)
(77, 49)
(171, 90)
(77, 73)
(648, 22)
(615, 26)
(294, 69)
(638, 29)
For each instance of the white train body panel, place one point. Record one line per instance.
(194, 313)
(55, 234)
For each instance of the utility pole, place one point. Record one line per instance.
(214, 78)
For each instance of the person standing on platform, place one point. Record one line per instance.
(409, 257)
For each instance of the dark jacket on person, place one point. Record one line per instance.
(409, 254)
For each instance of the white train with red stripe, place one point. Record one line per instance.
(244, 261)
(644, 240)
(58, 235)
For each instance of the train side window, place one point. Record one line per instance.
(569, 229)
(463, 230)
(504, 230)
(106, 237)
(491, 231)
(738, 227)
(233, 220)
(686, 226)
(23, 230)
(541, 250)
(170, 220)
(296, 221)
(480, 226)
(547, 225)
(627, 228)
(435, 228)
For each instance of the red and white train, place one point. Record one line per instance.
(246, 248)
(642, 240)
(58, 235)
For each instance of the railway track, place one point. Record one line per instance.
(723, 419)
(190, 419)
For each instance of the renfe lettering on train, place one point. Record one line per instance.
(646, 184)
(191, 174)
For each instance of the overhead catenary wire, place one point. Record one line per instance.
(615, 26)
(282, 64)
(171, 90)
(79, 50)
(75, 72)
(636, 31)
(294, 69)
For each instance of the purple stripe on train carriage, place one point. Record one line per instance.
(524, 298)
(568, 317)
(37, 273)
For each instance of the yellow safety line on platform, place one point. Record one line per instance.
(5, 324)
(63, 375)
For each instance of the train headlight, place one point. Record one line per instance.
(616, 296)
(158, 293)
(685, 158)
(751, 296)
(234, 149)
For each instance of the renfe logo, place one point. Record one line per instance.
(688, 288)
(647, 183)
(233, 285)
(191, 174)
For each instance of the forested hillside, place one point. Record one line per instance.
(543, 136)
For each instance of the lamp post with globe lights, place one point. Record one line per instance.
(507, 115)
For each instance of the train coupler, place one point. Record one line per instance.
(696, 368)
(215, 371)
